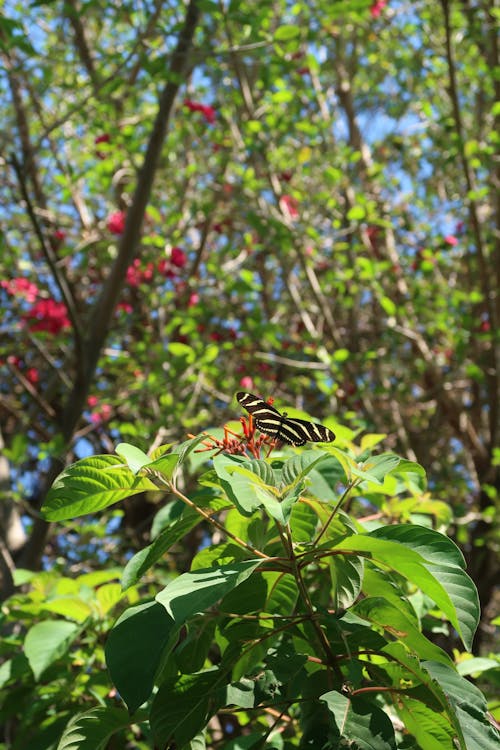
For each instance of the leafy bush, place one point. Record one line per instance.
(297, 624)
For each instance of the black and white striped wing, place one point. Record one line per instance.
(299, 431)
(280, 427)
(267, 419)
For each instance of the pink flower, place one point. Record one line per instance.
(207, 111)
(377, 7)
(247, 383)
(99, 416)
(290, 206)
(92, 401)
(116, 222)
(126, 307)
(450, 239)
(194, 298)
(20, 287)
(47, 315)
(178, 257)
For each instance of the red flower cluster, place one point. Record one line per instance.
(47, 315)
(116, 222)
(207, 111)
(177, 259)
(20, 287)
(136, 274)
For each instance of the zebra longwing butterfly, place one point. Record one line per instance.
(281, 427)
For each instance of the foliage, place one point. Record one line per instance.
(300, 628)
(297, 199)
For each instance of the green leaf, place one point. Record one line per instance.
(90, 485)
(134, 457)
(407, 563)
(133, 650)
(431, 729)
(476, 665)
(92, 729)
(469, 707)
(444, 560)
(181, 709)
(299, 466)
(239, 487)
(48, 641)
(286, 32)
(347, 574)
(143, 560)
(195, 592)
(359, 723)
(377, 467)
(398, 624)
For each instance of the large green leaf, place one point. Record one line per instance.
(90, 485)
(397, 624)
(359, 723)
(92, 729)
(48, 641)
(469, 707)
(133, 650)
(195, 592)
(406, 562)
(445, 561)
(431, 729)
(181, 709)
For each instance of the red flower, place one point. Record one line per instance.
(207, 111)
(247, 383)
(104, 138)
(194, 298)
(32, 375)
(20, 287)
(59, 235)
(178, 257)
(47, 315)
(125, 306)
(290, 206)
(377, 7)
(165, 268)
(92, 401)
(116, 222)
(450, 239)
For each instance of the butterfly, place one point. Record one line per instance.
(281, 427)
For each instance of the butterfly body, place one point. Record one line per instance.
(281, 427)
